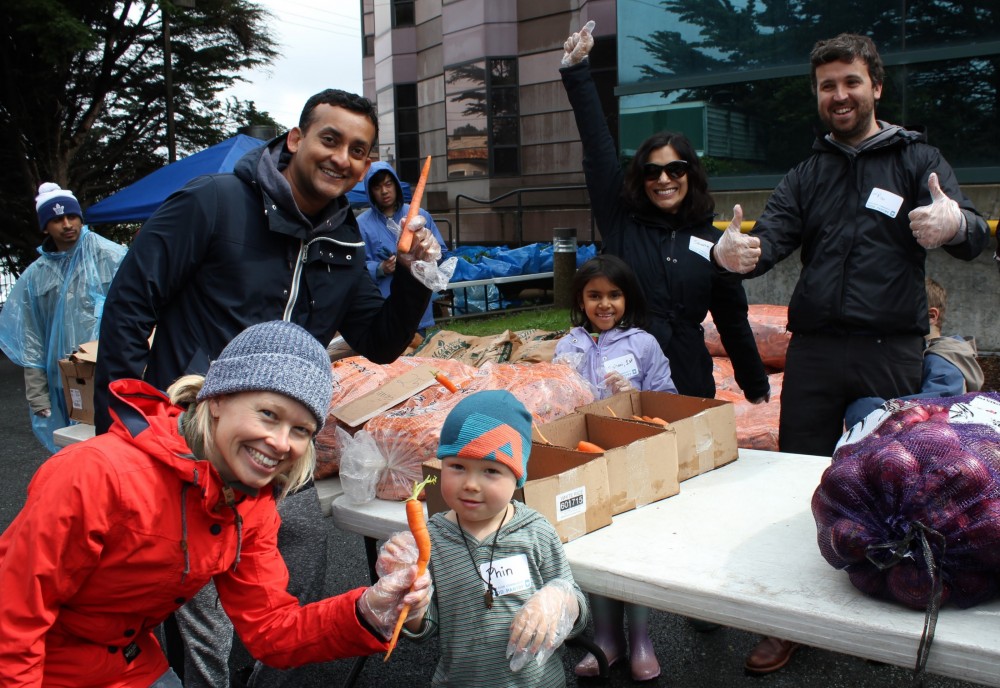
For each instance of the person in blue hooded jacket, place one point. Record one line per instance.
(380, 229)
(56, 304)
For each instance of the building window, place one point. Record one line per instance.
(402, 13)
(407, 132)
(737, 84)
(483, 118)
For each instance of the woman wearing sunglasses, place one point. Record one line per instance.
(657, 216)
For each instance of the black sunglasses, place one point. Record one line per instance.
(675, 169)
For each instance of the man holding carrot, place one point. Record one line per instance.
(275, 239)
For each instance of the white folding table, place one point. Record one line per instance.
(738, 547)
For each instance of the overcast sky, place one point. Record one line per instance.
(317, 48)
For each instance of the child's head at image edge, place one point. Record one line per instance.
(490, 426)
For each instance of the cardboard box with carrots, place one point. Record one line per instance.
(705, 428)
(642, 459)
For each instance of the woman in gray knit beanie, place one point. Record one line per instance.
(267, 396)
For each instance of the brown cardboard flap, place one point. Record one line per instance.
(85, 353)
(393, 392)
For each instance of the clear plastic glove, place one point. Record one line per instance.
(578, 45)
(382, 603)
(737, 252)
(44, 413)
(616, 383)
(424, 245)
(936, 224)
(542, 624)
(398, 552)
(432, 275)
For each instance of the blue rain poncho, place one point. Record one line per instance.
(55, 306)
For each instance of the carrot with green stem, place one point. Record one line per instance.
(406, 237)
(418, 526)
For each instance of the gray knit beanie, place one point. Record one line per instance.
(278, 357)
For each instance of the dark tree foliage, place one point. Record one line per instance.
(83, 95)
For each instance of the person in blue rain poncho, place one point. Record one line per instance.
(56, 304)
(380, 229)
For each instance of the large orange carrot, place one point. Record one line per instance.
(405, 236)
(585, 446)
(418, 526)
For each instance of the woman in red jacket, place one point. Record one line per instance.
(119, 531)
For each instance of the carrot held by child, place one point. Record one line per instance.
(418, 528)
(542, 624)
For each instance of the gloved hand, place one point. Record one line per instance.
(44, 413)
(397, 553)
(542, 624)
(616, 383)
(578, 45)
(766, 399)
(424, 247)
(737, 252)
(382, 603)
(936, 224)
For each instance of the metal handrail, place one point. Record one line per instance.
(520, 207)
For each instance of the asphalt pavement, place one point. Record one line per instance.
(687, 657)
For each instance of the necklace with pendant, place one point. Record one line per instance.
(488, 581)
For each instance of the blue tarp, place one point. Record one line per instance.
(136, 202)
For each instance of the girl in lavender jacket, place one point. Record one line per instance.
(606, 344)
(607, 347)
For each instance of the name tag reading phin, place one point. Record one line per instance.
(623, 365)
(884, 202)
(508, 575)
(701, 247)
(571, 503)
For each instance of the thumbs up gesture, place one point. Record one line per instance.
(736, 252)
(936, 224)
(578, 45)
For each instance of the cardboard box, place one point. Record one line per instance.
(642, 458)
(77, 371)
(568, 487)
(706, 428)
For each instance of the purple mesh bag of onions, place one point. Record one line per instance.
(910, 505)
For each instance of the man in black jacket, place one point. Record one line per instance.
(276, 239)
(864, 208)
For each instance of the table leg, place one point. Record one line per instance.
(371, 553)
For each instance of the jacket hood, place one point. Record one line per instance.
(48, 246)
(380, 166)
(888, 135)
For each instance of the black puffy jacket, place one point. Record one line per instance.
(678, 279)
(862, 270)
(222, 254)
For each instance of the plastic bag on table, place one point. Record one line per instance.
(361, 465)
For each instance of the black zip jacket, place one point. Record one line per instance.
(222, 254)
(862, 270)
(672, 263)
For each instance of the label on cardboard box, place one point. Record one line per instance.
(571, 503)
(77, 398)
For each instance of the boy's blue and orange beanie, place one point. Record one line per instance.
(490, 425)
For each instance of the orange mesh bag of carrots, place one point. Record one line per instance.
(756, 424)
(770, 333)
(356, 376)
(409, 434)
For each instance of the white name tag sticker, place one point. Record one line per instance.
(701, 247)
(884, 202)
(623, 365)
(507, 575)
(76, 398)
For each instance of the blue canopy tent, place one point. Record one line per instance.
(139, 200)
